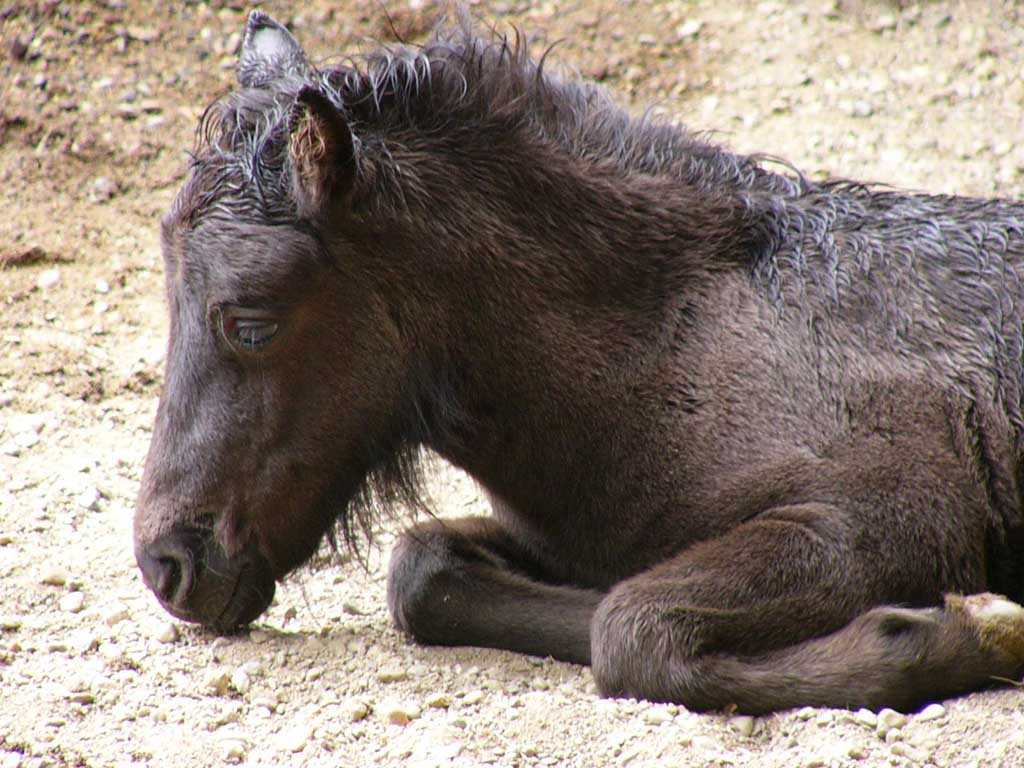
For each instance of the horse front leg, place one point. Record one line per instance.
(467, 582)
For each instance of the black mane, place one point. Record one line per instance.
(457, 85)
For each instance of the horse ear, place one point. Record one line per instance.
(269, 52)
(322, 152)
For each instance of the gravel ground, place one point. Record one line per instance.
(98, 100)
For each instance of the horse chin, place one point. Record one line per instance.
(196, 580)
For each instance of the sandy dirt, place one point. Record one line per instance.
(98, 101)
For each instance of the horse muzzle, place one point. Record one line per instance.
(196, 580)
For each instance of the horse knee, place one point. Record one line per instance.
(420, 561)
(636, 647)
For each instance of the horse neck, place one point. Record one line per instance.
(547, 295)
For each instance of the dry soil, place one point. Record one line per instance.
(98, 101)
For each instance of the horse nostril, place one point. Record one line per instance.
(166, 578)
(168, 568)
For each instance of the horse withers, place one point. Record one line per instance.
(752, 440)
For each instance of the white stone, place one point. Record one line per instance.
(743, 725)
(392, 675)
(89, 498)
(293, 739)
(265, 703)
(439, 700)
(400, 713)
(72, 602)
(932, 712)
(357, 710)
(26, 439)
(233, 750)
(116, 614)
(889, 719)
(113, 653)
(689, 29)
(657, 716)
(167, 632)
(217, 682)
(473, 698)
(866, 717)
(241, 681)
(912, 754)
(48, 278)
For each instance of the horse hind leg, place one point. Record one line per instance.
(903, 658)
(777, 614)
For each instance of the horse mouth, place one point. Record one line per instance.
(197, 581)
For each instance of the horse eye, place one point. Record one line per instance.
(246, 333)
(251, 335)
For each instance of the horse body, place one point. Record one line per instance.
(749, 438)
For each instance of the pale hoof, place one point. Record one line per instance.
(999, 621)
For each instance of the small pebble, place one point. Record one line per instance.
(265, 703)
(218, 682)
(17, 47)
(166, 633)
(116, 614)
(893, 735)
(233, 750)
(689, 29)
(293, 739)
(400, 714)
(806, 713)
(889, 719)
(657, 716)
(55, 578)
(103, 188)
(241, 681)
(102, 286)
(112, 652)
(439, 700)
(48, 278)
(144, 34)
(357, 710)
(392, 675)
(931, 712)
(866, 717)
(473, 698)
(912, 754)
(10, 623)
(743, 725)
(72, 602)
(89, 498)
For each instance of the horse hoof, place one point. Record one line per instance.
(998, 620)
